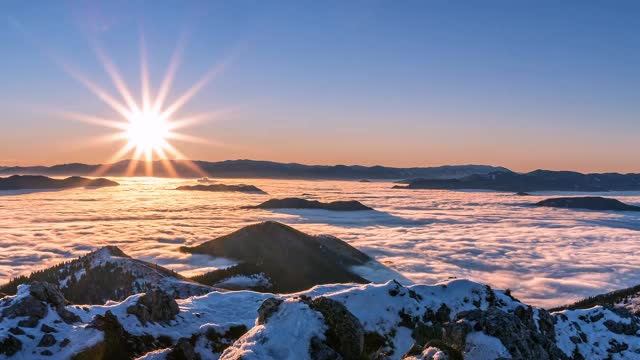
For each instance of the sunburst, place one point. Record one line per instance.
(147, 126)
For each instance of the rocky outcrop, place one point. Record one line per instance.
(298, 203)
(268, 308)
(183, 350)
(35, 306)
(345, 334)
(118, 343)
(155, 306)
(517, 331)
(222, 188)
(588, 203)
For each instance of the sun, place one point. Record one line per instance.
(149, 124)
(147, 132)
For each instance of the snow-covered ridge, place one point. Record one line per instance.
(383, 321)
(109, 274)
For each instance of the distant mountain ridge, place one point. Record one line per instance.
(262, 169)
(538, 180)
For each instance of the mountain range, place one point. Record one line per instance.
(259, 169)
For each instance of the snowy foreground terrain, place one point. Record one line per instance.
(454, 320)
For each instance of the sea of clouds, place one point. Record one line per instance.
(545, 256)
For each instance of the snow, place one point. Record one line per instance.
(293, 320)
(591, 323)
(288, 332)
(241, 281)
(480, 346)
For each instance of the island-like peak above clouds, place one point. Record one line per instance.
(222, 188)
(588, 203)
(33, 182)
(281, 258)
(299, 203)
(539, 180)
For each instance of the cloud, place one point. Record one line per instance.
(545, 256)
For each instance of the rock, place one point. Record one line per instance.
(219, 342)
(36, 305)
(10, 345)
(155, 306)
(345, 333)
(27, 306)
(622, 328)
(29, 323)
(268, 308)
(183, 350)
(47, 329)
(47, 340)
(319, 350)
(521, 338)
(48, 293)
(16, 331)
(67, 316)
(118, 343)
(46, 353)
(64, 342)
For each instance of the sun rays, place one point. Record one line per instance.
(147, 125)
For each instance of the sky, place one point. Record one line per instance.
(521, 84)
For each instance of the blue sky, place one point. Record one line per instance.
(523, 84)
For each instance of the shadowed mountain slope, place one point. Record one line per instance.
(288, 259)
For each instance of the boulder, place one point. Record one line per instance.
(10, 345)
(47, 340)
(155, 306)
(183, 350)
(518, 333)
(268, 308)
(345, 333)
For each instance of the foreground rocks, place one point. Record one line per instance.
(455, 320)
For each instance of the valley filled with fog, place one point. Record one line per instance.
(546, 256)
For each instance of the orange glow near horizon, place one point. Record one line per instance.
(147, 126)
